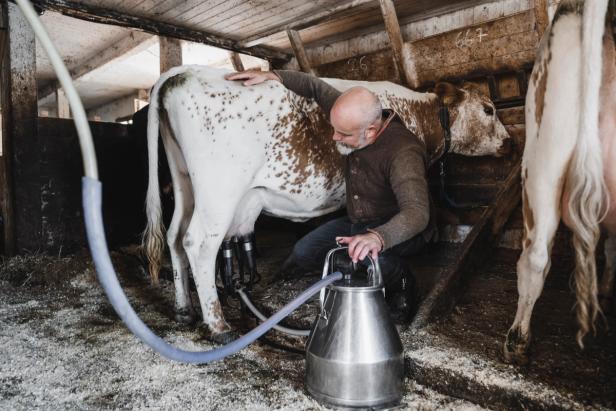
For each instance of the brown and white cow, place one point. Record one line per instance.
(569, 162)
(237, 151)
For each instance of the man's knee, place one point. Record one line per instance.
(305, 256)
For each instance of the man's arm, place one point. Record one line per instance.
(309, 86)
(408, 181)
(300, 83)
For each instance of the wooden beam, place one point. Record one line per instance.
(236, 61)
(300, 52)
(21, 199)
(63, 109)
(132, 44)
(327, 13)
(478, 242)
(170, 53)
(106, 16)
(541, 16)
(402, 52)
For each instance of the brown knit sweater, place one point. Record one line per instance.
(386, 180)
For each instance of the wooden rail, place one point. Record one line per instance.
(481, 238)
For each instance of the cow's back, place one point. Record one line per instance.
(264, 136)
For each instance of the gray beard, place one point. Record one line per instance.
(344, 149)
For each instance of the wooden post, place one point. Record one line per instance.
(21, 191)
(7, 240)
(403, 54)
(236, 61)
(170, 53)
(541, 16)
(300, 52)
(64, 110)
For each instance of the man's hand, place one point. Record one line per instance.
(252, 77)
(362, 244)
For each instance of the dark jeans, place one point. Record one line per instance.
(310, 251)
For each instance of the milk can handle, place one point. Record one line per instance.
(377, 279)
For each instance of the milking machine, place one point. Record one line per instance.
(353, 353)
(239, 283)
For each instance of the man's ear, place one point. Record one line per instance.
(373, 129)
(448, 93)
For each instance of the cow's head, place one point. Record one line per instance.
(475, 128)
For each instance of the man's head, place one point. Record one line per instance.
(356, 118)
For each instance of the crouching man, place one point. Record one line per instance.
(387, 199)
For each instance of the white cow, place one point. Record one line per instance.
(237, 151)
(568, 167)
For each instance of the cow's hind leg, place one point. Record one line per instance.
(184, 204)
(606, 288)
(541, 218)
(183, 208)
(208, 227)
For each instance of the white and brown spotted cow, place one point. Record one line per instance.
(237, 151)
(569, 163)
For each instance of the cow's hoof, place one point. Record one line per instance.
(224, 337)
(516, 357)
(185, 316)
(515, 349)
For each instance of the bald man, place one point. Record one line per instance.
(388, 205)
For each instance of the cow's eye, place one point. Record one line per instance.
(488, 110)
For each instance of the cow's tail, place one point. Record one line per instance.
(153, 236)
(587, 201)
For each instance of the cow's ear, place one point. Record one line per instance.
(448, 93)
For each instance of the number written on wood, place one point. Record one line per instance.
(357, 66)
(468, 37)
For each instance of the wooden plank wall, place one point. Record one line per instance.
(122, 161)
(494, 37)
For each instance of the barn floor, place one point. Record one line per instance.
(460, 355)
(62, 346)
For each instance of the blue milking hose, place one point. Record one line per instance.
(109, 281)
(92, 205)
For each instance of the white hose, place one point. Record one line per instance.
(290, 331)
(79, 115)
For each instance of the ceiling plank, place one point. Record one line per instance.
(135, 42)
(105, 16)
(298, 24)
